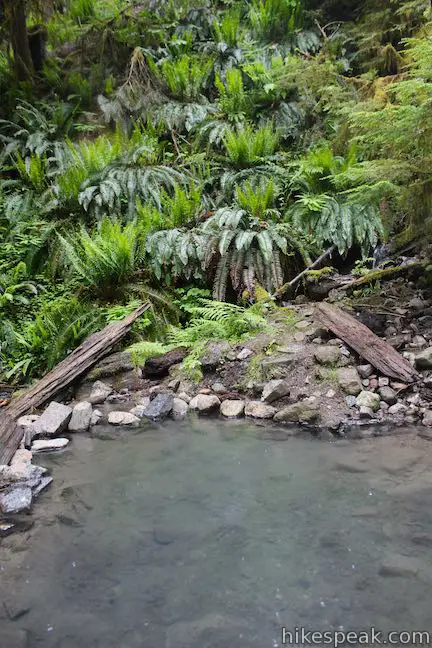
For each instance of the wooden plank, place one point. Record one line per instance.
(80, 360)
(368, 345)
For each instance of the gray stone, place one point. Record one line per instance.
(26, 423)
(81, 417)
(350, 401)
(419, 342)
(184, 396)
(122, 418)
(398, 409)
(16, 499)
(44, 482)
(214, 354)
(48, 445)
(179, 409)
(174, 384)
(99, 393)
(305, 411)
(383, 381)
(160, 406)
(427, 418)
(219, 388)
(327, 355)
(366, 412)
(388, 395)
(205, 403)
(257, 409)
(187, 387)
(232, 408)
(53, 421)
(139, 410)
(96, 417)
(244, 354)
(423, 359)
(368, 399)
(274, 390)
(349, 380)
(365, 371)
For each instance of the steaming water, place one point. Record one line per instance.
(216, 535)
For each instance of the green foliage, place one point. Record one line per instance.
(246, 146)
(141, 351)
(185, 78)
(275, 19)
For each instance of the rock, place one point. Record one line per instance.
(419, 342)
(417, 304)
(16, 499)
(274, 390)
(159, 366)
(388, 395)
(383, 381)
(330, 393)
(423, 359)
(160, 406)
(368, 399)
(174, 384)
(205, 390)
(205, 403)
(219, 388)
(184, 396)
(186, 386)
(427, 418)
(299, 336)
(305, 411)
(139, 410)
(349, 380)
(179, 409)
(373, 384)
(48, 445)
(122, 418)
(257, 409)
(232, 408)
(26, 423)
(244, 354)
(327, 355)
(118, 398)
(53, 421)
(22, 457)
(43, 483)
(366, 412)
(350, 401)
(81, 417)
(365, 371)
(215, 353)
(414, 399)
(99, 393)
(95, 417)
(398, 409)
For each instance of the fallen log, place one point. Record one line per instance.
(76, 363)
(316, 264)
(368, 345)
(383, 274)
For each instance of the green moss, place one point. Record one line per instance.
(316, 275)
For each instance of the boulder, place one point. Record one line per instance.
(388, 395)
(53, 421)
(257, 409)
(398, 409)
(365, 371)
(232, 408)
(327, 355)
(274, 390)
(160, 406)
(368, 399)
(122, 418)
(215, 353)
(179, 409)
(205, 403)
(305, 411)
(158, 367)
(48, 445)
(16, 499)
(99, 393)
(184, 396)
(349, 380)
(81, 417)
(423, 359)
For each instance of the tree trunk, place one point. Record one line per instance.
(19, 39)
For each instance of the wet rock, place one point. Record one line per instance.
(305, 411)
(205, 403)
(14, 638)
(244, 354)
(16, 499)
(423, 359)
(140, 409)
(398, 566)
(49, 445)
(179, 409)
(365, 371)
(257, 409)
(368, 399)
(95, 417)
(215, 353)
(219, 388)
(99, 393)
(232, 408)
(327, 355)
(81, 417)
(158, 367)
(44, 482)
(398, 409)
(122, 418)
(160, 406)
(53, 421)
(388, 395)
(274, 390)
(349, 380)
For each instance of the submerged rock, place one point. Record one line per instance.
(81, 417)
(232, 408)
(305, 411)
(16, 499)
(160, 406)
(257, 409)
(122, 418)
(99, 393)
(274, 390)
(205, 403)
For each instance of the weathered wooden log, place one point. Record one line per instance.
(368, 345)
(82, 358)
(384, 274)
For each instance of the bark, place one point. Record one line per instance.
(19, 39)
